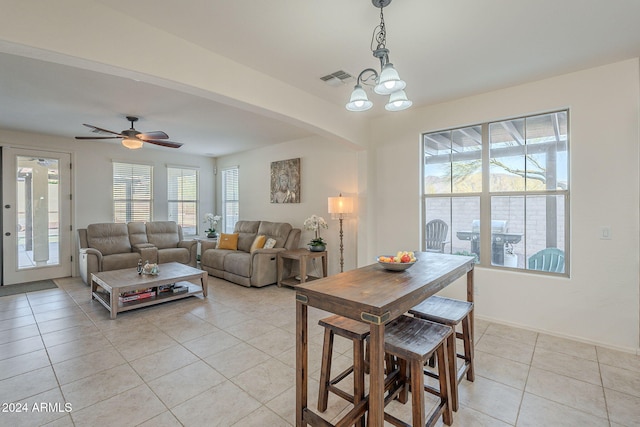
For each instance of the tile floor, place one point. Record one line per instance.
(228, 360)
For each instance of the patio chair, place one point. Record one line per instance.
(436, 232)
(549, 259)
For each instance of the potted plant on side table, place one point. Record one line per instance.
(212, 220)
(315, 223)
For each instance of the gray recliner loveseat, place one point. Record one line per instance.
(241, 265)
(113, 246)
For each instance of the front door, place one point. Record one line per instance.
(36, 220)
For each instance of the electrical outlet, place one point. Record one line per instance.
(605, 232)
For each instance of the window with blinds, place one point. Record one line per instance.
(230, 199)
(182, 187)
(132, 192)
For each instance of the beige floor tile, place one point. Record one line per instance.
(129, 408)
(266, 380)
(163, 362)
(502, 370)
(71, 334)
(15, 312)
(20, 333)
(64, 421)
(536, 412)
(45, 306)
(261, 417)
(33, 413)
(212, 343)
(506, 348)
(185, 383)
(89, 364)
(220, 406)
(61, 313)
(237, 359)
(620, 379)
(566, 346)
(69, 350)
(492, 398)
(186, 327)
(165, 419)
(249, 329)
(77, 319)
(467, 417)
(135, 346)
(26, 385)
(274, 342)
(100, 386)
(624, 409)
(24, 363)
(517, 334)
(23, 346)
(570, 366)
(17, 322)
(567, 391)
(618, 358)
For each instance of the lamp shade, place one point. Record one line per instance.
(132, 143)
(359, 100)
(340, 206)
(389, 81)
(398, 101)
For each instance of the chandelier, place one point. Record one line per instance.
(387, 82)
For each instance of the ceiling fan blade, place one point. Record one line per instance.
(163, 143)
(100, 130)
(158, 134)
(98, 137)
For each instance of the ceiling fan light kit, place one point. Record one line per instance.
(131, 138)
(387, 82)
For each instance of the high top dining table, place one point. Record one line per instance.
(376, 296)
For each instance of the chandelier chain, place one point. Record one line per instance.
(379, 34)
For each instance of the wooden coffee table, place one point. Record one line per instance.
(106, 286)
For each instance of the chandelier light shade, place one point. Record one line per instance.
(359, 100)
(387, 81)
(398, 101)
(132, 143)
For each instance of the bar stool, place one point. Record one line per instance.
(451, 312)
(413, 341)
(356, 332)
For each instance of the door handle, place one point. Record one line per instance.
(7, 234)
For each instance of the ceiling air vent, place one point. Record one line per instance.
(337, 78)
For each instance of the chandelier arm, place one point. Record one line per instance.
(370, 70)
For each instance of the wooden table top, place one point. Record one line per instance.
(381, 293)
(129, 277)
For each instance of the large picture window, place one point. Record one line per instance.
(182, 187)
(132, 192)
(502, 191)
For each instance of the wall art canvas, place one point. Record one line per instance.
(285, 181)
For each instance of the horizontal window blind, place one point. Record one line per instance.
(182, 187)
(230, 198)
(132, 192)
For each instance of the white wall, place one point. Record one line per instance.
(92, 173)
(600, 301)
(327, 168)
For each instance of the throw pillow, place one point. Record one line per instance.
(258, 242)
(228, 241)
(270, 243)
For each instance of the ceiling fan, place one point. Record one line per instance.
(131, 138)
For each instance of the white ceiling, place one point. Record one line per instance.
(442, 49)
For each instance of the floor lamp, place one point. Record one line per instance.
(339, 208)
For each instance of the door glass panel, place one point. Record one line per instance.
(37, 189)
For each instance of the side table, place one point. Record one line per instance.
(300, 255)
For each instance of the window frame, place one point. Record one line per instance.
(128, 200)
(184, 171)
(486, 196)
(229, 219)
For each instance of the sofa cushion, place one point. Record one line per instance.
(181, 255)
(120, 261)
(238, 263)
(137, 233)
(163, 234)
(275, 230)
(214, 258)
(247, 232)
(109, 238)
(228, 241)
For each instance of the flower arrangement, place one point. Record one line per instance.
(315, 223)
(212, 220)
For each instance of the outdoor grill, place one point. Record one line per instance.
(499, 237)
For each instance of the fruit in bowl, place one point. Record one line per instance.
(401, 261)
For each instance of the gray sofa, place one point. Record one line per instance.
(113, 246)
(257, 268)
